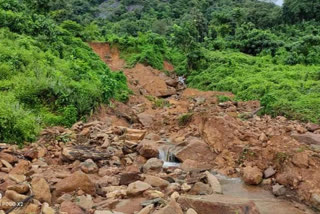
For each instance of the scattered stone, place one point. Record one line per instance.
(133, 134)
(83, 153)
(200, 188)
(312, 127)
(77, 180)
(137, 188)
(7, 157)
(156, 181)
(252, 175)
(64, 197)
(14, 196)
(32, 209)
(152, 194)
(19, 188)
(315, 199)
(146, 119)
(185, 187)
(153, 164)
(218, 203)
(278, 190)
(89, 166)
(70, 208)
(214, 183)
(6, 164)
(17, 178)
(191, 211)
(148, 149)
(46, 209)
(172, 82)
(263, 137)
(129, 177)
(307, 138)
(41, 189)
(21, 168)
(191, 165)
(174, 195)
(172, 208)
(301, 159)
(172, 188)
(147, 209)
(117, 194)
(6, 203)
(267, 181)
(84, 201)
(269, 172)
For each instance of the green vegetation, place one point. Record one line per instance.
(48, 76)
(257, 50)
(185, 119)
(222, 98)
(158, 102)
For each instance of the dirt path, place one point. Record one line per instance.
(168, 150)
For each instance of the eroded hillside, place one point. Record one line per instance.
(167, 150)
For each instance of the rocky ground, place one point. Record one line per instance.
(115, 162)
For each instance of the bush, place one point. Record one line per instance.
(184, 119)
(51, 86)
(292, 91)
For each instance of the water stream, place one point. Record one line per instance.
(266, 202)
(168, 157)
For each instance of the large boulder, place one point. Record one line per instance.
(76, 181)
(196, 150)
(307, 138)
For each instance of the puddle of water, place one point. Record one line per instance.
(266, 202)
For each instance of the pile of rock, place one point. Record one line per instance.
(96, 169)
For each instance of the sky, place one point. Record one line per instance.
(279, 2)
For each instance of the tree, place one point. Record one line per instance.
(301, 10)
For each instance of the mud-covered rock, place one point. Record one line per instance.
(252, 175)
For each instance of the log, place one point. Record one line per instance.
(83, 153)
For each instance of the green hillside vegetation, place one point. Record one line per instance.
(257, 50)
(47, 75)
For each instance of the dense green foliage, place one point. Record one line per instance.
(256, 49)
(48, 76)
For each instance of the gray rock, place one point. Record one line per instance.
(269, 172)
(278, 190)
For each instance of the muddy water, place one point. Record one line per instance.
(264, 200)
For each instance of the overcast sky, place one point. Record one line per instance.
(279, 2)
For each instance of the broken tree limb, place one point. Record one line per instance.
(83, 153)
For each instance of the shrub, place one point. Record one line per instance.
(184, 119)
